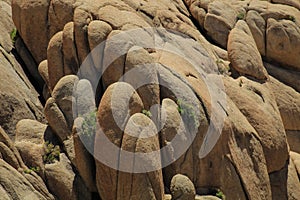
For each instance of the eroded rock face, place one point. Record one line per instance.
(243, 53)
(182, 188)
(19, 99)
(250, 159)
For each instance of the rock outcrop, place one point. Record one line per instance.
(185, 99)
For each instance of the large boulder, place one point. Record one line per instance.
(144, 165)
(119, 101)
(182, 188)
(18, 97)
(258, 104)
(16, 185)
(283, 39)
(243, 53)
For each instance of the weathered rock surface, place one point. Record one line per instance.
(288, 102)
(182, 188)
(243, 53)
(263, 114)
(18, 97)
(282, 40)
(112, 117)
(16, 186)
(213, 40)
(60, 178)
(140, 136)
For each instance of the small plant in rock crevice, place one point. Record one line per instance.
(52, 153)
(32, 169)
(88, 128)
(13, 35)
(291, 18)
(186, 110)
(240, 16)
(220, 194)
(223, 67)
(147, 113)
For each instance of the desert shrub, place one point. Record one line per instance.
(147, 113)
(220, 194)
(13, 35)
(291, 18)
(187, 111)
(32, 169)
(240, 16)
(52, 153)
(88, 128)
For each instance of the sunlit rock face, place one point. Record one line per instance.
(139, 100)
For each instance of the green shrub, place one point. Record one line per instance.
(147, 113)
(51, 153)
(291, 18)
(32, 169)
(13, 35)
(220, 194)
(223, 67)
(240, 16)
(186, 110)
(88, 128)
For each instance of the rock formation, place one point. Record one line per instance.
(117, 100)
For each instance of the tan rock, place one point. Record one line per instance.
(60, 178)
(38, 183)
(56, 119)
(68, 146)
(30, 19)
(276, 11)
(293, 138)
(182, 188)
(85, 98)
(282, 39)
(248, 166)
(293, 3)
(98, 32)
(295, 157)
(206, 197)
(6, 26)
(8, 155)
(84, 159)
(198, 12)
(63, 93)
(115, 57)
(18, 98)
(257, 103)
(71, 63)
(172, 125)
(119, 101)
(288, 102)
(140, 72)
(59, 13)
(17, 185)
(168, 197)
(288, 77)
(257, 26)
(140, 136)
(243, 53)
(30, 135)
(81, 19)
(55, 59)
(285, 183)
(28, 130)
(43, 70)
(117, 18)
(219, 20)
(15, 160)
